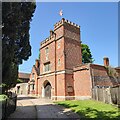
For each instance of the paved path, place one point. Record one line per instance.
(29, 107)
(25, 108)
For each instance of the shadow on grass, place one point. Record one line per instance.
(96, 114)
(90, 113)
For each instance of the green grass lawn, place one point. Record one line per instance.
(92, 109)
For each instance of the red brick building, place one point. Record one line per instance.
(60, 74)
(33, 82)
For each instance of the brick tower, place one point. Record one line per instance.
(59, 53)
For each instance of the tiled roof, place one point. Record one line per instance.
(99, 74)
(23, 75)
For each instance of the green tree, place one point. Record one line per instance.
(86, 54)
(16, 17)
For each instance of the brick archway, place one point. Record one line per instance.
(46, 90)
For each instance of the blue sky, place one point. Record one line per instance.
(99, 28)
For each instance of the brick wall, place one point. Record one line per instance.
(60, 83)
(73, 53)
(71, 31)
(82, 82)
(69, 85)
(60, 56)
(59, 32)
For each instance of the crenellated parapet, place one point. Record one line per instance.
(63, 21)
(49, 39)
(69, 29)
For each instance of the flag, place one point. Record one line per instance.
(61, 13)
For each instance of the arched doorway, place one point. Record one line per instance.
(46, 89)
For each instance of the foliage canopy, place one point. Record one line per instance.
(86, 54)
(16, 17)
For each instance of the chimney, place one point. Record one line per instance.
(37, 63)
(51, 32)
(106, 61)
